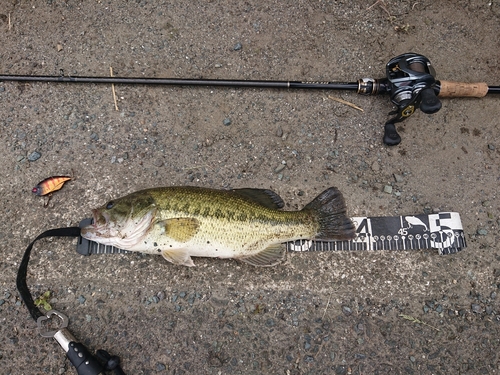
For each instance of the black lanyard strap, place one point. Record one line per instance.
(22, 286)
(84, 362)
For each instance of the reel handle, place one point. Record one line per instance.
(391, 136)
(430, 102)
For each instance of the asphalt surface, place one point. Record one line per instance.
(398, 312)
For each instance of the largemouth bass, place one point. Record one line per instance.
(245, 224)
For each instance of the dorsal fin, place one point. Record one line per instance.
(264, 197)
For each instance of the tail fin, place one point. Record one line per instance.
(331, 212)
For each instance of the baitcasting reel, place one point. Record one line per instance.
(411, 84)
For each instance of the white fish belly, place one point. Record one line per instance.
(223, 240)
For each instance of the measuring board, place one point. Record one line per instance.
(442, 231)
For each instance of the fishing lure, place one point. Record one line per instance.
(49, 185)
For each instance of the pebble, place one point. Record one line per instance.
(482, 232)
(398, 178)
(226, 121)
(237, 46)
(81, 299)
(35, 155)
(476, 308)
(279, 168)
(491, 147)
(388, 189)
(346, 310)
(160, 367)
(375, 166)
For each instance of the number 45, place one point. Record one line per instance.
(403, 231)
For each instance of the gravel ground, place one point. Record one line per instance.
(320, 313)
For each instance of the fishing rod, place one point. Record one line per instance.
(410, 81)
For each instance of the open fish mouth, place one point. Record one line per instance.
(124, 234)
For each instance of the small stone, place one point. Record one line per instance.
(88, 318)
(279, 168)
(375, 166)
(491, 147)
(412, 358)
(398, 178)
(482, 232)
(237, 46)
(35, 155)
(388, 189)
(226, 121)
(340, 370)
(476, 308)
(2, 302)
(81, 299)
(270, 322)
(59, 47)
(160, 367)
(346, 310)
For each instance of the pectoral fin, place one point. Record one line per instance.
(268, 257)
(181, 229)
(178, 256)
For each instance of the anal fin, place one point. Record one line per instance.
(178, 256)
(268, 257)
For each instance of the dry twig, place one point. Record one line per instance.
(415, 320)
(345, 102)
(113, 89)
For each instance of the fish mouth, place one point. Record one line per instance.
(99, 226)
(124, 234)
(99, 218)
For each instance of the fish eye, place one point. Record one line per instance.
(110, 205)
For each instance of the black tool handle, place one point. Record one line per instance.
(430, 103)
(391, 136)
(84, 362)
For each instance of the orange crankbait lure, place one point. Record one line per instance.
(49, 185)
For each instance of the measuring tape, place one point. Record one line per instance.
(442, 231)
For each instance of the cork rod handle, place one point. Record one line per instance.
(450, 89)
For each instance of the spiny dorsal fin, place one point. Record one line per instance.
(264, 197)
(178, 256)
(181, 229)
(268, 257)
